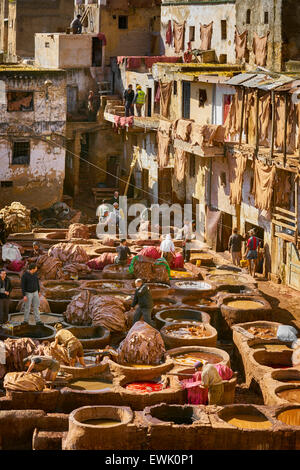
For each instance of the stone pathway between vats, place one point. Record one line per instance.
(286, 309)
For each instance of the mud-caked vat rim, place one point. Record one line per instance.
(229, 411)
(172, 353)
(114, 409)
(50, 337)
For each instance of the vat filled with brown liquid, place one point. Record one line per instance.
(95, 383)
(291, 395)
(189, 359)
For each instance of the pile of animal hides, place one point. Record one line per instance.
(78, 231)
(16, 351)
(20, 381)
(97, 310)
(63, 261)
(142, 345)
(44, 305)
(101, 261)
(16, 218)
(144, 268)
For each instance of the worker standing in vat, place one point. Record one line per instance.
(211, 379)
(5, 290)
(167, 249)
(143, 298)
(128, 101)
(235, 246)
(123, 253)
(69, 341)
(31, 294)
(76, 25)
(139, 100)
(41, 363)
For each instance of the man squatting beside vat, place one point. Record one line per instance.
(71, 343)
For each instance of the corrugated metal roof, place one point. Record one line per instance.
(241, 78)
(261, 81)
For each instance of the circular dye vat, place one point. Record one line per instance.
(104, 423)
(105, 285)
(42, 333)
(249, 421)
(291, 395)
(227, 279)
(139, 366)
(144, 387)
(190, 359)
(244, 304)
(169, 316)
(290, 417)
(49, 318)
(221, 272)
(94, 383)
(263, 332)
(173, 413)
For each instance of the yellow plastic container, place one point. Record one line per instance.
(198, 263)
(243, 263)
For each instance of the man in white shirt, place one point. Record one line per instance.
(211, 379)
(167, 249)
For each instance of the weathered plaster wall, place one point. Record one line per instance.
(196, 187)
(141, 37)
(40, 183)
(147, 160)
(63, 51)
(193, 15)
(36, 16)
(201, 115)
(258, 8)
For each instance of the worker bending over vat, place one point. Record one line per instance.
(42, 363)
(71, 343)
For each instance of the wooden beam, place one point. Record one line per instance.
(281, 224)
(284, 218)
(242, 115)
(272, 124)
(285, 211)
(285, 128)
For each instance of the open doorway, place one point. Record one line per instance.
(96, 52)
(224, 231)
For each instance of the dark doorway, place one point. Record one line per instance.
(149, 102)
(186, 100)
(97, 52)
(113, 170)
(157, 98)
(224, 231)
(165, 186)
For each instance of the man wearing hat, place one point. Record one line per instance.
(139, 100)
(71, 343)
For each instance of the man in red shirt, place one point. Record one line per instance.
(251, 252)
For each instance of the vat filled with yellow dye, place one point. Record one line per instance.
(244, 304)
(101, 422)
(290, 416)
(249, 422)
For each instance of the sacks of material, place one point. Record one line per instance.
(16, 351)
(77, 312)
(16, 218)
(142, 345)
(20, 381)
(108, 312)
(68, 253)
(78, 231)
(44, 305)
(97, 310)
(101, 261)
(50, 268)
(10, 252)
(147, 271)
